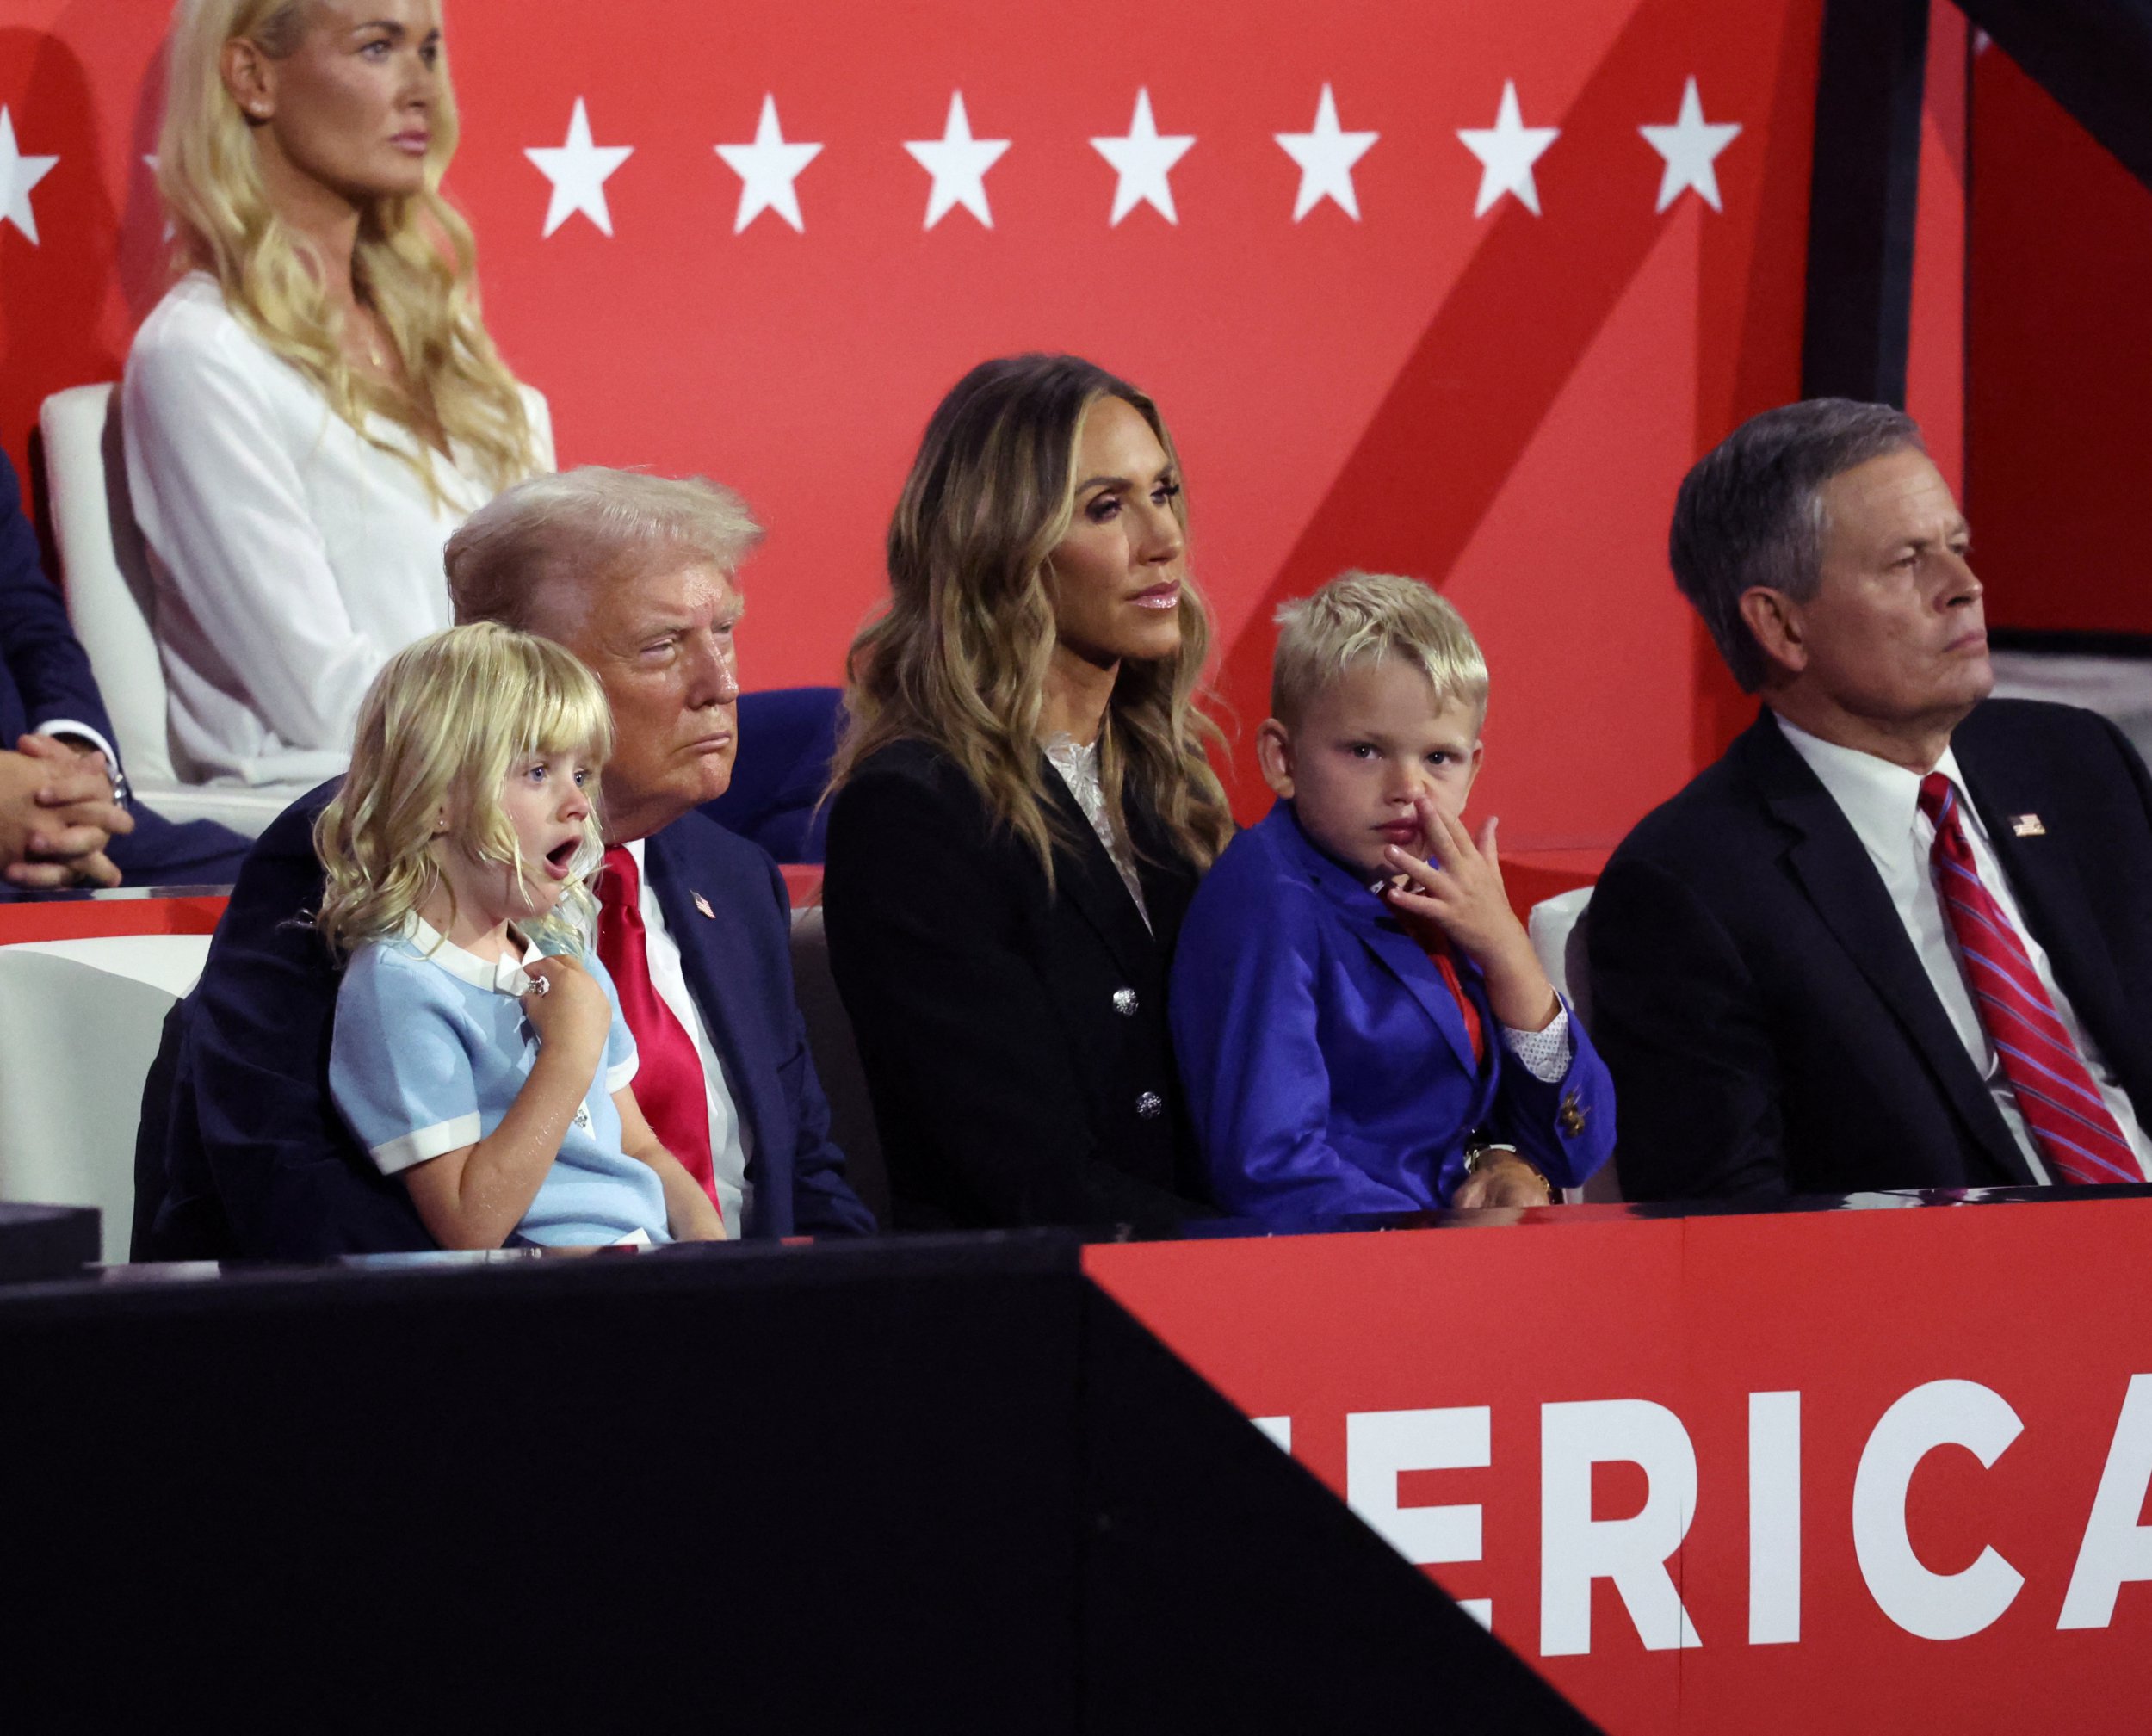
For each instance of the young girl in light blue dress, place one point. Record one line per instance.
(479, 1053)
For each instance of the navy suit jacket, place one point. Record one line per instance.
(1772, 1029)
(1326, 1061)
(257, 1164)
(44, 677)
(44, 672)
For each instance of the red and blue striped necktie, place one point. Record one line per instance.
(2062, 1109)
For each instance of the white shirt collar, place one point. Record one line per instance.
(1881, 800)
(502, 977)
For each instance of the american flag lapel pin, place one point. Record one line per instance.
(2026, 826)
(703, 904)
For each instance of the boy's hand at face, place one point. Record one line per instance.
(1461, 897)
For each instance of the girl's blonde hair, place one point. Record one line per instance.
(442, 726)
(415, 264)
(958, 657)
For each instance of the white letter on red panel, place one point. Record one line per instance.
(1574, 1548)
(1379, 1444)
(1774, 1518)
(2116, 1548)
(1935, 1606)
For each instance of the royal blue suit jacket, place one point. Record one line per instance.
(1326, 1063)
(257, 1164)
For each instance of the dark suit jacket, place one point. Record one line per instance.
(1768, 1022)
(44, 672)
(258, 1163)
(45, 678)
(1014, 1040)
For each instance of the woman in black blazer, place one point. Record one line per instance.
(1022, 805)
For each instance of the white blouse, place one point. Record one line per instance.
(291, 558)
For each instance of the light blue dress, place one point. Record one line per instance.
(431, 1047)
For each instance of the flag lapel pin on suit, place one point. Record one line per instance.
(703, 905)
(2026, 826)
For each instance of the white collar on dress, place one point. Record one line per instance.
(501, 977)
(1881, 800)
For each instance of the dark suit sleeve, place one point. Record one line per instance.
(823, 1202)
(965, 1054)
(51, 669)
(292, 1182)
(1682, 1029)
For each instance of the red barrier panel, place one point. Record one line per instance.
(1875, 1470)
(73, 919)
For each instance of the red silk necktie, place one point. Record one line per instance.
(668, 1083)
(2062, 1109)
(1439, 953)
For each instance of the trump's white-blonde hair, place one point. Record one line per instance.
(1365, 617)
(415, 265)
(440, 728)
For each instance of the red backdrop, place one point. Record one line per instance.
(2060, 395)
(1502, 403)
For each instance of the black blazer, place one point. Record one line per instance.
(1770, 1027)
(1014, 1042)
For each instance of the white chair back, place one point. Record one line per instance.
(111, 600)
(1557, 928)
(80, 1022)
(105, 566)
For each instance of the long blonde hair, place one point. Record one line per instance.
(415, 265)
(443, 724)
(958, 657)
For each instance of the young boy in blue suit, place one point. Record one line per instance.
(1361, 1021)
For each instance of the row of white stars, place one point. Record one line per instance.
(1142, 160)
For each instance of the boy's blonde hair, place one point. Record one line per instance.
(1365, 617)
(443, 724)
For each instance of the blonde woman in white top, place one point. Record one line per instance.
(315, 406)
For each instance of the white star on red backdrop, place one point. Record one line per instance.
(958, 163)
(767, 168)
(1141, 159)
(1507, 151)
(1691, 146)
(1326, 157)
(18, 175)
(577, 169)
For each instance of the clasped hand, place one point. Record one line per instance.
(57, 814)
(1461, 898)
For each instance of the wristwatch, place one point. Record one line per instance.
(1478, 1151)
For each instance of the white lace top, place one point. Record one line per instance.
(1079, 767)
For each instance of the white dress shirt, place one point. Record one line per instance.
(1882, 802)
(729, 1136)
(290, 558)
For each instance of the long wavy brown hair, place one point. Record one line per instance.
(958, 657)
(415, 265)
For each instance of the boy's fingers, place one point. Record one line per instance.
(1486, 841)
